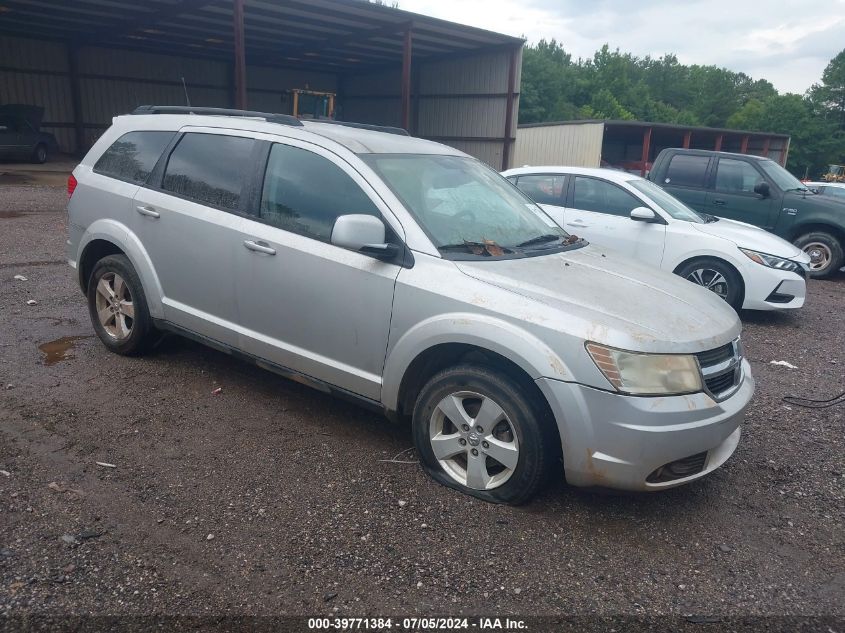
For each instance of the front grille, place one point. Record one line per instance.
(721, 369)
(716, 356)
(678, 469)
(720, 383)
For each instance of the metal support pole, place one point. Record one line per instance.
(76, 99)
(406, 80)
(766, 144)
(646, 150)
(687, 139)
(506, 148)
(240, 54)
(719, 140)
(743, 148)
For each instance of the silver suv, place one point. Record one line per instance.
(414, 279)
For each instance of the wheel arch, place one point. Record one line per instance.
(817, 227)
(450, 339)
(109, 237)
(723, 260)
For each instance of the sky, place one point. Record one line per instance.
(786, 42)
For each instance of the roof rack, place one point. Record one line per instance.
(366, 126)
(284, 119)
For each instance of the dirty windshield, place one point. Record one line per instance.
(467, 208)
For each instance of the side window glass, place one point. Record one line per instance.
(736, 176)
(543, 188)
(686, 170)
(603, 197)
(133, 156)
(209, 169)
(305, 193)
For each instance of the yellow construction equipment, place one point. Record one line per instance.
(835, 173)
(311, 104)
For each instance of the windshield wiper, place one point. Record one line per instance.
(540, 239)
(490, 249)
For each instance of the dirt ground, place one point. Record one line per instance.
(271, 498)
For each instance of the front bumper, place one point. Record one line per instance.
(771, 289)
(617, 441)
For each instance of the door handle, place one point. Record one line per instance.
(720, 203)
(148, 211)
(258, 247)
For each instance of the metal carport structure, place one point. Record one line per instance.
(88, 60)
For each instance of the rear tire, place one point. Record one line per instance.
(118, 307)
(825, 253)
(497, 419)
(39, 154)
(718, 277)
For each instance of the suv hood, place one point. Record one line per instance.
(616, 300)
(751, 237)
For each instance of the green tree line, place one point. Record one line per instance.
(616, 85)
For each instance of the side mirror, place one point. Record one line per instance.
(643, 214)
(762, 188)
(363, 233)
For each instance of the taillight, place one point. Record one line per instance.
(71, 185)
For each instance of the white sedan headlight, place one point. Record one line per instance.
(647, 374)
(772, 261)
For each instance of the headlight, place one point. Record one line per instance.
(647, 374)
(771, 261)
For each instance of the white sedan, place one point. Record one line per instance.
(745, 265)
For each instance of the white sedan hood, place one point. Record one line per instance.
(753, 238)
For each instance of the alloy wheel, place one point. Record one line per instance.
(115, 309)
(711, 279)
(474, 441)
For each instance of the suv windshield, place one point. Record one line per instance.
(783, 179)
(466, 207)
(666, 201)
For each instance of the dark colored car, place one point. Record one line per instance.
(20, 135)
(758, 191)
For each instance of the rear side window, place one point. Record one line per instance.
(133, 156)
(305, 193)
(687, 171)
(209, 169)
(543, 188)
(736, 176)
(603, 197)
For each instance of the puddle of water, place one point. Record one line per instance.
(60, 349)
(10, 214)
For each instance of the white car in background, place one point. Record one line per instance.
(748, 267)
(836, 189)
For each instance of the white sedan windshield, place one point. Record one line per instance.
(669, 203)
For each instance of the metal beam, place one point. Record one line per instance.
(687, 139)
(407, 52)
(240, 54)
(646, 149)
(719, 139)
(506, 148)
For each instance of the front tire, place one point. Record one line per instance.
(118, 307)
(39, 154)
(825, 251)
(485, 434)
(716, 276)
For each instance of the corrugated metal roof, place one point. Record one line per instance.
(329, 35)
(664, 126)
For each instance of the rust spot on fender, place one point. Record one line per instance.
(598, 476)
(557, 366)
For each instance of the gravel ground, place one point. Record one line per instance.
(272, 498)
